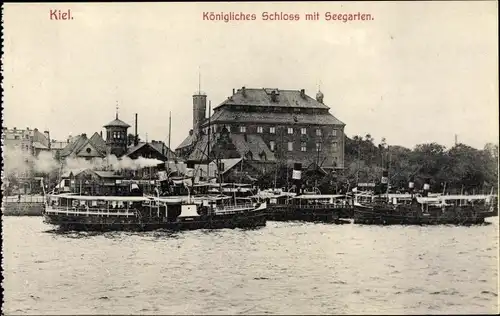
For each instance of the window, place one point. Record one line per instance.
(303, 131)
(318, 132)
(303, 146)
(334, 146)
(243, 129)
(290, 146)
(88, 150)
(272, 130)
(318, 146)
(271, 145)
(290, 130)
(228, 128)
(259, 129)
(334, 132)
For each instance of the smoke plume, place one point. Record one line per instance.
(18, 162)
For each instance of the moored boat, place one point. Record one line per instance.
(415, 209)
(141, 213)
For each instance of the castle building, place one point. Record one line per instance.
(265, 127)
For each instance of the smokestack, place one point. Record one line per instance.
(411, 184)
(384, 182)
(297, 177)
(427, 187)
(189, 169)
(136, 136)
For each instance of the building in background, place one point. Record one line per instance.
(266, 127)
(30, 141)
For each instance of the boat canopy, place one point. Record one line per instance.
(101, 198)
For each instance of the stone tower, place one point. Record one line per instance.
(199, 110)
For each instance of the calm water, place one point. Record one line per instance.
(285, 268)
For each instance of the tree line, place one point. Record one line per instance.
(459, 169)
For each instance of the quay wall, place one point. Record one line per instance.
(22, 209)
(27, 205)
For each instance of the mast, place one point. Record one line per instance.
(209, 134)
(169, 133)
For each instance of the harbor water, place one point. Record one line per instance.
(284, 268)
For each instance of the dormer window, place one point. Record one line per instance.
(243, 129)
(318, 132)
(290, 130)
(272, 130)
(259, 129)
(303, 131)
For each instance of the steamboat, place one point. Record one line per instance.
(307, 206)
(169, 208)
(423, 209)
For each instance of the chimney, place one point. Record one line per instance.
(243, 91)
(274, 97)
(190, 132)
(14, 128)
(27, 128)
(303, 93)
(233, 91)
(100, 134)
(84, 135)
(136, 136)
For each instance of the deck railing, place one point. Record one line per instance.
(90, 211)
(24, 199)
(321, 206)
(234, 208)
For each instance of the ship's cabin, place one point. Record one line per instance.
(320, 200)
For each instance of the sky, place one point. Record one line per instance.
(418, 72)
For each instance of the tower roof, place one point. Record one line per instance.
(117, 123)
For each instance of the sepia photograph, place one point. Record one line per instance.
(250, 158)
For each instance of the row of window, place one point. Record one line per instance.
(290, 130)
(303, 146)
(116, 135)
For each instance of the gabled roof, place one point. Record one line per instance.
(135, 148)
(229, 163)
(75, 172)
(163, 148)
(117, 122)
(263, 97)
(98, 142)
(80, 142)
(254, 144)
(226, 115)
(76, 144)
(188, 141)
